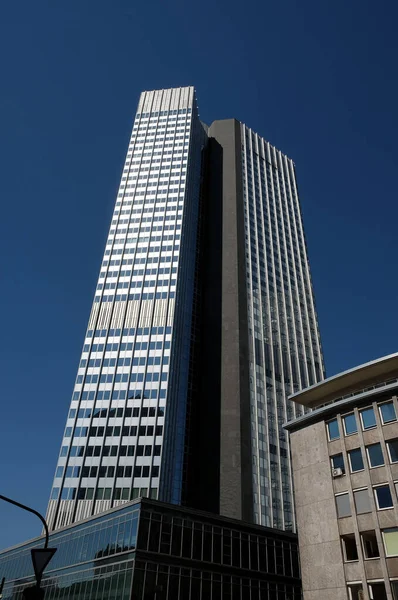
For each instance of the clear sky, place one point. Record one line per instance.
(318, 79)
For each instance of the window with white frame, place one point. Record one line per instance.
(387, 412)
(343, 505)
(350, 550)
(355, 591)
(375, 455)
(355, 459)
(383, 497)
(394, 589)
(368, 418)
(390, 541)
(369, 544)
(350, 424)
(337, 462)
(333, 430)
(392, 448)
(377, 590)
(362, 501)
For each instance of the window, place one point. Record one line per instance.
(350, 424)
(394, 587)
(362, 501)
(392, 447)
(354, 591)
(390, 539)
(350, 550)
(55, 493)
(369, 544)
(383, 497)
(387, 412)
(355, 460)
(343, 505)
(377, 591)
(375, 455)
(368, 418)
(333, 430)
(337, 462)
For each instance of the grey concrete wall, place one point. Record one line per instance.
(319, 539)
(319, 528)
(236, 495)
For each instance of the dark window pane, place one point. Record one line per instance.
(350, 424)
(368, 418)
(356, 460)
(387, 412)
(383, 496)
(393, 450)
(338, 462)
(375, 455)
(333, 430)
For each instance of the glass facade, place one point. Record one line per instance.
(113, 441)
(149, 549)
(94, 559)
(285, 353)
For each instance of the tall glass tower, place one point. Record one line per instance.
(140, 322)
(203, 322)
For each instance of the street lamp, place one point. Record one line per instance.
(40, 556)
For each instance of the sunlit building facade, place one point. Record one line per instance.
(112, 445)
(203, 322)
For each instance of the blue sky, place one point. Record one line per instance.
(317, 79)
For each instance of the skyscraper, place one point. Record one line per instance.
(203, 322)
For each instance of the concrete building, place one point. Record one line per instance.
(148, 550)
(203, 322)
(345, 470)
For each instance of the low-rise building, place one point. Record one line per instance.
(345, 470)
(149, 550)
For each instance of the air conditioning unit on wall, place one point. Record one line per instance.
(338, 472)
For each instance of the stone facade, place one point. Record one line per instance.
(345, 472)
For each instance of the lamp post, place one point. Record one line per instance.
(40, 556)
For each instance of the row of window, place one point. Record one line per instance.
(139, 261)
(139, 272)
(376, 589)
(124, 362)
(382, 495)
(367, 420)
(121, 285)
(369, 544)
(106, 470)
(82, 493)
(115, 431)
(129, 331)
(122, 377)
(125, 297)
(79, 451)
(162, 113)
(374, 455)
(151, 219)
(122, 346)
(137, 394)
(128, 411)
(165, 162)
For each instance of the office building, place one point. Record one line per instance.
(147, 550)
(203, 322)
(345, 468)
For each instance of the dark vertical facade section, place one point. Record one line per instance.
(202, 489)
(236, 492)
